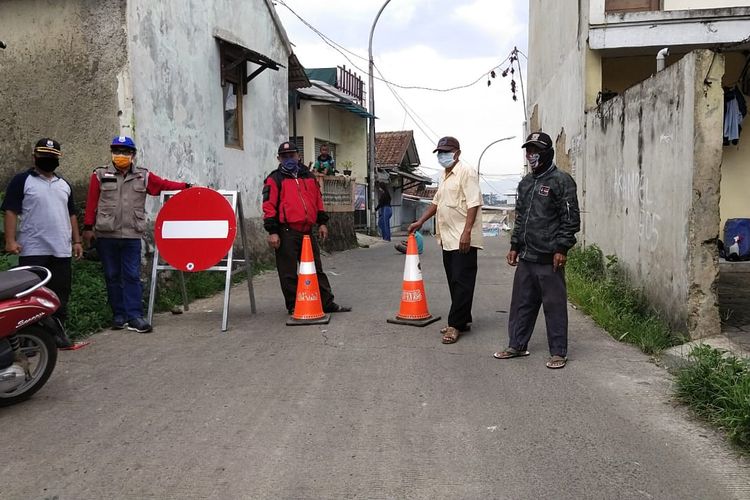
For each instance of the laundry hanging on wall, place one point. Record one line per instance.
(735, 109)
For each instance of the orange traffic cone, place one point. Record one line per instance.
(413, 310)
(308, 308)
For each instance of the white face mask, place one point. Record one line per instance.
(533, 160)
(445, 159)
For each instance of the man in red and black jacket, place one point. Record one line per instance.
(292, 206)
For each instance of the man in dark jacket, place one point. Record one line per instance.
(292, 206)
(547, 219)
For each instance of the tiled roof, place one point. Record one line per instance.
(390, 147)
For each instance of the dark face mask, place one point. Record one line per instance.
(47, 164)
(545, 160)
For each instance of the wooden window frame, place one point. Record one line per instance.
(616, 6)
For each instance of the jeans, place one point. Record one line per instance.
(121, 260)
(384, 222)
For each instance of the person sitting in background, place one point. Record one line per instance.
(325, 164)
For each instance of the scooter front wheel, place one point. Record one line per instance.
(40, 351)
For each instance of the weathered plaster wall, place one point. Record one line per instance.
(177, 92)
(652, 182)
(59, 78)
(557, 75)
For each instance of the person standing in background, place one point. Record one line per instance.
(384, 212)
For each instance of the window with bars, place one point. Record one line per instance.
(232, 76)
(300, 142)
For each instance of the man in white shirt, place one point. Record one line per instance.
(458, 204)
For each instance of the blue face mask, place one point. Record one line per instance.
(445, 159)
(290, 165)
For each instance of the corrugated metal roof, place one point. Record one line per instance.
(322, 91)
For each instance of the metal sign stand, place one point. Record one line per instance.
(224, 265)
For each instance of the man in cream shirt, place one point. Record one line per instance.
(458, 205)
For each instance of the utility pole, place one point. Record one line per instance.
(371, 153)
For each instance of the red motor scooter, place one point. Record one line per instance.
(28, 352)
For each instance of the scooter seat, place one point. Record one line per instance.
(13, 282)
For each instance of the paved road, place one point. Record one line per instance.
(359, 408)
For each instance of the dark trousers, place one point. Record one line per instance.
(287, 257)
(535, 285)
(461, 271)
(121, 261)
(60, 280)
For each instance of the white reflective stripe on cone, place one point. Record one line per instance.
(195, 229)
(411, 269)
(306, 268)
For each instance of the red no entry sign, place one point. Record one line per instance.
(195, 229)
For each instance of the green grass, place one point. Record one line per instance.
(717, 387)
(88, 311)
(602, 290)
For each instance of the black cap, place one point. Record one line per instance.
(47, 147)
(447, 143)
(288, 147)
(538, 139)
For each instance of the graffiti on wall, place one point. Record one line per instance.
(632, 188)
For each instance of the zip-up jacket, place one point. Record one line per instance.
(291, 201)
(547, 216)
(116, 202)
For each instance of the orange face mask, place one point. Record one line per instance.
(122, 162)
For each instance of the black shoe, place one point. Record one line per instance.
(335, 308)
(61, 338)
(139, 325)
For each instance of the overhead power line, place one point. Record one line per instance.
(344, 52)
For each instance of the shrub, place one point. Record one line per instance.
(603, 291)
(717, 387)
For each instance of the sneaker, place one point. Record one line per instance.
(118, 324)
(139, 325)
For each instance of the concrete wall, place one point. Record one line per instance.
(653, 161)
(558, 76)
(343, 128)
(59, 78)
(178, 113)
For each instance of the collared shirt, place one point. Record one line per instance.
(458, 192)
(44, 206)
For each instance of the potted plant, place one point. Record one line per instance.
(347, 167)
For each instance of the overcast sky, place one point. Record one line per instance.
(429, 43)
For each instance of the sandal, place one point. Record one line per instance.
(451, 335)
(556, 362)
(467, 328)
(509, 353)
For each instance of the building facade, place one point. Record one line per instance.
(201, 86)
(645, 146)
